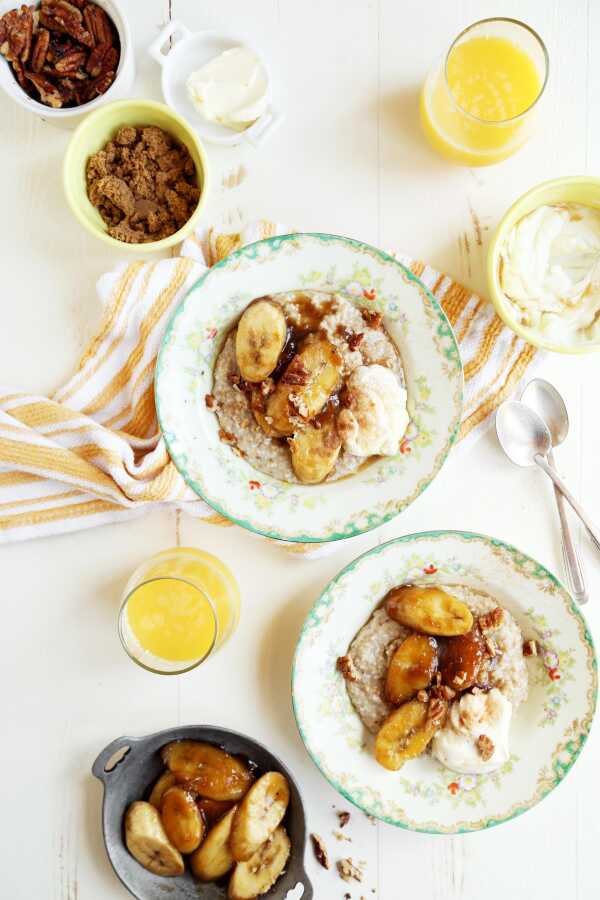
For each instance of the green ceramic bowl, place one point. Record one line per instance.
(93, 133)
(576, 189)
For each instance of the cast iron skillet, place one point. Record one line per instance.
(131, 779)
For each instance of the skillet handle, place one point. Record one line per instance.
(99, 767)
(308, 888)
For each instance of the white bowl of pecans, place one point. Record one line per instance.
(62, 58)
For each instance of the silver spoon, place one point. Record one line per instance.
(543, 397)
(526, 441)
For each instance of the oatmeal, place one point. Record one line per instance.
(316, 395)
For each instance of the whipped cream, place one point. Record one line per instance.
(550, 272)
(376, 419)
(232, 89)
(455, 745)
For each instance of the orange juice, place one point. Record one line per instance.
(476, 108)
(179, 607)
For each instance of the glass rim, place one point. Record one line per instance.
(191, 584)
(541, 91)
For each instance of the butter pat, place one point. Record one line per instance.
(470, 717)
(232, 89)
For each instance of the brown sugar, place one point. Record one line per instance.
(143, 183)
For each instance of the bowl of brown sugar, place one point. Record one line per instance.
(135, 175)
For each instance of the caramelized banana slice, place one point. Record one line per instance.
(147, 841)
(207, 770)
(166, 781)
(428, 609)
(259, 814)
(213, 810)
(313, 375)
(181, 819)
(260, 338)
(315, 451)
(462, 659)
(411, 668)
(404, 734)
(258, 875)
(213, 859)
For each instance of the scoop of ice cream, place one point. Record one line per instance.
(459, 746)
(376, 418)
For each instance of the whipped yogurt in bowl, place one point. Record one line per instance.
(544, 266)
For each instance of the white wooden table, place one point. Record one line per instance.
(348, 159)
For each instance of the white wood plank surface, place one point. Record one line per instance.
(349, 158)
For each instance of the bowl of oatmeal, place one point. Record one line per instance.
(309, 387)
(444, 682)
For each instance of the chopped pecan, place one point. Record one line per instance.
(530, 648)
(443, 692)
(266, 387)
(485, 746)
(348, 870)
(49, 93)
(210, 401)
(491, 620)
(345, 665)
(459, 679)
(98, 24)
(40, 49)
(344, 817)
(355, 339)
(296, 373)
(490, 647)
(372, 318)
(436, 712)
(422, 696)
(320, 851)
(225, 436)
(71, 62)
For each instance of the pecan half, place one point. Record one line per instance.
(70, 63)
(320, 851)
(296, 373)
(485, 746)
(98, 24)
(61, 16)
(99, 85)
(48, 91)
(40, 49)
(96, 59)
(16, 31)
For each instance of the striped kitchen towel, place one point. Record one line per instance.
(92, 453)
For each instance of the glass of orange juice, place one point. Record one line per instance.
(178, 608)
(479, 103)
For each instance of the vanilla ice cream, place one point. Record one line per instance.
(376, 418)
(232, 89)
(550, 272)
(470, 717)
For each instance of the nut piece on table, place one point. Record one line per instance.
(259, 814)
(411, 668)
(165, 781)
(257, 875)
(404, 735)
(428, 609)
(259, 340)
(181, 819)
(213, 858)
(147, 841)
(319, 365)
(461, 659)
(207, 770)
(315, 451)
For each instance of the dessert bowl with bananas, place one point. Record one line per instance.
(203, 812)
(309, 387)
(444, 682)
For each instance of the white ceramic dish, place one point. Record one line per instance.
(547, 733)
(69, 118)
(184, 375)
(179, 52)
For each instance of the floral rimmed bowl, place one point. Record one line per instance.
(194, 337)
(547, 732)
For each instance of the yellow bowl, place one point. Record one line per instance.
(94, 132)
(577, 189)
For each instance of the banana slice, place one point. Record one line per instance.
(315, 451)
(260, 338)
(429, 609)
(313, 375)
(259, 814)
(404, 734)
(147, 841)
(258, 875)
(207, 770)
(213, 858)
(411, 668)
(181, 819)
(166, 781)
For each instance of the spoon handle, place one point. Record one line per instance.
(592, 529)
(571, 557)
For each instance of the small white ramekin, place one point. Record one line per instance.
(69, 118)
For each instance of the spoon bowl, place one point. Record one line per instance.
(543, 397)
(523, 435)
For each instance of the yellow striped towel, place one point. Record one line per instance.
(92, 454)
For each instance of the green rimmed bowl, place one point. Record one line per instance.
(184, 373)
(547, 733)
